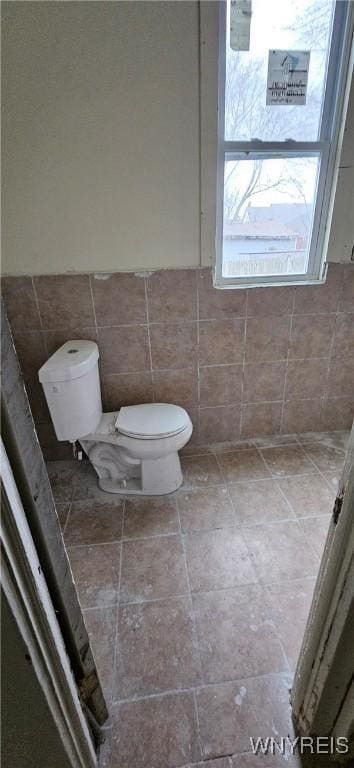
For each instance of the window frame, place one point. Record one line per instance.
(328, 147)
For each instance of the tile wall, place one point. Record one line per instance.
(243, 363)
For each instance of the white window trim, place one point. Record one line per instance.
(212, 31)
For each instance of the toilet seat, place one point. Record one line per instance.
(152, 421)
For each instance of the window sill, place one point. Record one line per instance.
(228, 285)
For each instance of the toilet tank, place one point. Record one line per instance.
(70, 379)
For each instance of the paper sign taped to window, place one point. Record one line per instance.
(287, 77)
(240, 24)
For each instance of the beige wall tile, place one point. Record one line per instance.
(215, 303)
(310, 299)
(302, 416)
(219, 424)
(142, 363)
(119, 298)
(31, 352)
(346, 303)
(306, 378)
(55, 339)
(341, 377)
(311, 336)
(220, 385)
(267, 338)
(126, 389)
(179, 387)
(37, 401)
(173, 345)
(261, 419)
(221, 341)
(263, 302)
(263, 382)
(124, 349)
(343, 344)
(172, 295)
(338, 413)
(20, 303)
(64, 301)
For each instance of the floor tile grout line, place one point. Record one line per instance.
(316, 555)
(167, 598)
(260, 453)
(329, 484)
(240, 588)
(185, 559)
(322, 473)
(248, 549)
(288, 503)
(67, 519)
(301, 518)
(284, 477)
(192, 488)
(276, 631)
(227, 488)
(284, 675)
(308, 455)
(239, 526)
(272, 441)
(125, 540)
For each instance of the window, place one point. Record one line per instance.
(281, 95)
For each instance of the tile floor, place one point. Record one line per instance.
(196, 602)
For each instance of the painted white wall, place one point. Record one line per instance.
(341, 239)
(101, 118)
(102, 153)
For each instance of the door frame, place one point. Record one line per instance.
(25, 588)
(323, 684)
(32, 482)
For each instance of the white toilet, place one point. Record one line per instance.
(134, 450)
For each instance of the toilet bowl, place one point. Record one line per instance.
(133, 450)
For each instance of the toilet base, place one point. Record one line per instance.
(157, 477)
(131, 466)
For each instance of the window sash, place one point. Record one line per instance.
(326, 148)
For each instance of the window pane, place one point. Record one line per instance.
(285, 25)
(268, 213)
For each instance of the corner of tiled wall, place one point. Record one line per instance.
(243, 363)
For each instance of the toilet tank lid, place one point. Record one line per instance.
(73, 359)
